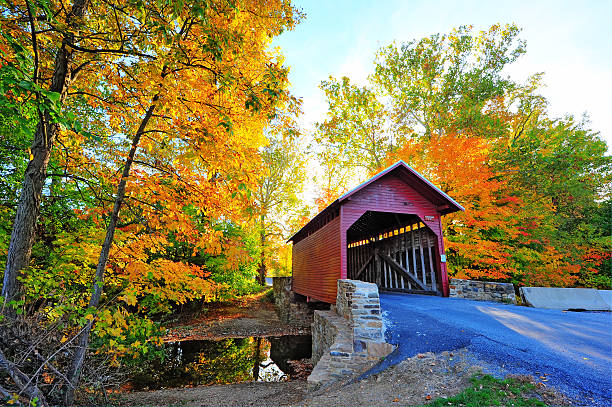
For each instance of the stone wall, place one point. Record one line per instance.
(325, 329)
(482, 290)
(348, 339)
(290, 308)
(358, 302)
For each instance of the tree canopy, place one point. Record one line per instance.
(534, 186)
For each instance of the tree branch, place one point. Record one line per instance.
(34, 43)
(109, 51)
(21, 380)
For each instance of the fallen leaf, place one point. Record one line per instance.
(428, 397)
(395, 400)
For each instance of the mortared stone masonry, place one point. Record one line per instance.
(348, 339)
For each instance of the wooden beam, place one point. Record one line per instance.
(359, 249)
(378, 270)
(363, 267)
(432, 267)
(402, 271)
(396, 249)
(413, 249)
(403, 283)
(423, 271)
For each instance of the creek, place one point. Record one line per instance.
(230, 360)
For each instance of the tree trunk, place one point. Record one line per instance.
(262, 261)
(22, 235)
(83, 341)
(256, 365)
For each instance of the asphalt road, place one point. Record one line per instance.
(573, 350)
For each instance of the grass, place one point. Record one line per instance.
(486, 390)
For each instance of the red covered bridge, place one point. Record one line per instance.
(386, 231)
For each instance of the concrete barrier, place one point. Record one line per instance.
(567, 298)
(606, 296)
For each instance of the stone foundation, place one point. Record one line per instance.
(348, 339)
(291, 307)
(482, 290)
(329, 332)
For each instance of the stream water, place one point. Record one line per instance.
(231, 360)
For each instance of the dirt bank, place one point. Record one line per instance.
(239, 394)
(244, 317)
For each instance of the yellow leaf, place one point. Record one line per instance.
(129, 298)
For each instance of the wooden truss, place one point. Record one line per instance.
(401, 259)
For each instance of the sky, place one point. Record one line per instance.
(570, 41)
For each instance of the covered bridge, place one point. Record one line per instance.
(386, 231)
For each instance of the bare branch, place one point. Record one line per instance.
(21, 380)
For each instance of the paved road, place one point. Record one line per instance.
(574, 349)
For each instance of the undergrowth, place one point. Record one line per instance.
(486, 390)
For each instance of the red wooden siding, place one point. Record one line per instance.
(316, 263)
(390, 194)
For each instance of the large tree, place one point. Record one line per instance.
(533, 186)
(53, 69)
(441, 84)
(449, 83)
(183, 92)
(276, 196)
(356, 126)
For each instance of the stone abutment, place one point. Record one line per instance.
(349, 338)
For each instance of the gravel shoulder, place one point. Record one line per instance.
(414, 381)
(417, 381)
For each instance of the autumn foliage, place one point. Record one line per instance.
(477, 237)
